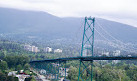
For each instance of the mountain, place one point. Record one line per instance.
(37, 25)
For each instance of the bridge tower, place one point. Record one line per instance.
(86, 66)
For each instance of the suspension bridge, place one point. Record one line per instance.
(52, 66)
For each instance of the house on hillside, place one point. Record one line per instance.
(57, 51)
(47, 49)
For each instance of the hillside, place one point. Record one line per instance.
(41, 26)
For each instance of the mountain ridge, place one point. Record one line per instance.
(45, 25)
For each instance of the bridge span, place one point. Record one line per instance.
(88, 58)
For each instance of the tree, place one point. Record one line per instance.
(3, 65)
(33, 79)
(3, 54)
(19, 67)
(135, 77)
(2, 77)
(10, 78)
(26, 66)
(132, 72)
(97, 73)
(122, 75)
(13, 61)
(73, 74)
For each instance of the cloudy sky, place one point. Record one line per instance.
(124, 11)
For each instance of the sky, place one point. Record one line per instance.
(124, 11)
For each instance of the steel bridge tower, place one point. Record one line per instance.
(86, 66)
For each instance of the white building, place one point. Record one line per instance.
(22, 77)
(115, 61)
(12, 73)
(27, 47)
(57, 51)
(129, 55)
(42, 71)
(116, 53)
(31, 48)
(35, 49)
(105, 53)
(48, 49)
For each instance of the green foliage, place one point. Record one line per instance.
(13, 61)
(10, 47)
(73, 73)
(16, 58)
(10, 78)
(113, 75)
(72, 63)
(3, 65)
(27, 71)
(19, 67)
(2, 77)
(26, 66)
(3, 54)
(107, 72)
(16, 79)
(33, 79)
(132, 72)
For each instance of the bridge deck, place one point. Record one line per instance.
(87, 58)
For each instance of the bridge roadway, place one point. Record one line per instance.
(87, 58)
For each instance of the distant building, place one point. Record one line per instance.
(116, 53)
(57, 51)
(55, 64)
(62, 71)
(50, 76)
(115, 61)
(21, 71)
(12, 73)
(105, 53)
(22, 77)
(129, 55)
(87, 51)
(31, 48)
(27, 47)
(48, 49)
(35, 49)
(42, 71)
